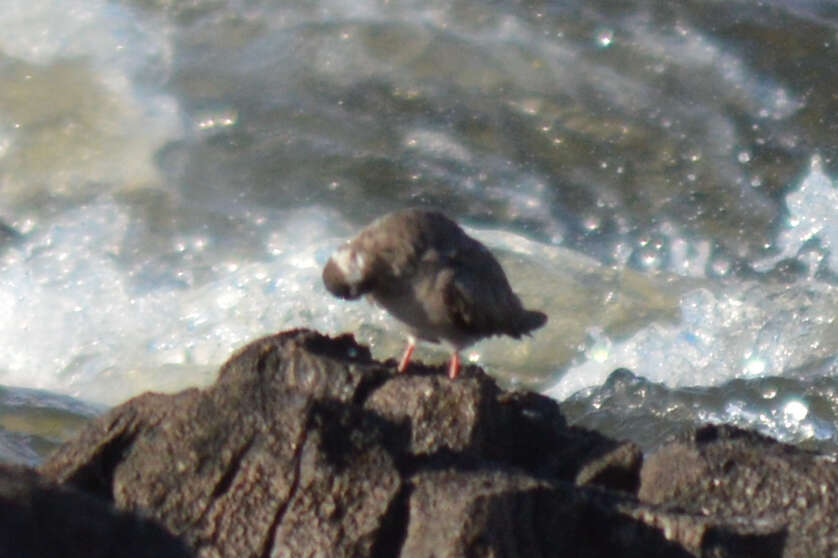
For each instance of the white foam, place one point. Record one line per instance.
(745, 330)
(40, 31)
(81, 320)
(109, 118)
(812, 215)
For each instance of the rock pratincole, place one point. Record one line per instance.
(429, 274)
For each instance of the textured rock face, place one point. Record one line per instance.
(38, 518)
(305, 446)
(274, 452)
(740, 477)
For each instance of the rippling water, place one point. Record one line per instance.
(660, 178)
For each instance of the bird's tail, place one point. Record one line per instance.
(530, 320)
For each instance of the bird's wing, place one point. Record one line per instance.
(478, 295)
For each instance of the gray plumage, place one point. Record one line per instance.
(429, 274)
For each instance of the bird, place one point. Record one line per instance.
(444, 285)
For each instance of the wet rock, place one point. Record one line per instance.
(8, 235)
(749, 481)
(39, 518)
(503, 513)
(616, 469)
(305, 446)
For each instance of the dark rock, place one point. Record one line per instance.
(38, 518)
(439, 415)
(616, 469)
(501, 513)
(743, 478)
(305, 446)
(275, 451)
(8, 235)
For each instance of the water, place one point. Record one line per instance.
(660, 179)
(34, 423)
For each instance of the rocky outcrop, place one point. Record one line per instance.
(41, 519)
(741, 478)
(306, 446)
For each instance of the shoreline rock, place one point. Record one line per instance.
(306, 446)
(40, 518)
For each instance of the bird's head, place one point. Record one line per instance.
(346, 274)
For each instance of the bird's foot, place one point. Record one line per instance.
(405, 361)
(454, 365)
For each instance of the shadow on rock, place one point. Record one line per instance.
(38, 518)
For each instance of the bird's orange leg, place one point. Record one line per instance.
(411, 344)
(454, 366)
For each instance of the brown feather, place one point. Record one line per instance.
(426, 271)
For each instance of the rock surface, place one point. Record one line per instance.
(305, 446)
(38, 518)
(740, 478)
